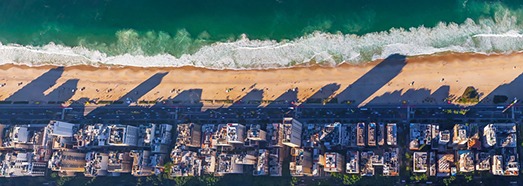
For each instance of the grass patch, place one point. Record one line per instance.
(470, 96)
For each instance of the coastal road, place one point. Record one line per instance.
(316, 113)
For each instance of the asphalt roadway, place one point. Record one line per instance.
(244, 113)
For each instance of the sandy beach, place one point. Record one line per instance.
(417, 80)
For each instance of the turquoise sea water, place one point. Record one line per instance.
(240, 33)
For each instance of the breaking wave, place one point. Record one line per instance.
(501, 34)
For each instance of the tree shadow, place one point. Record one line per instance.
(373, 80)
(35, 89)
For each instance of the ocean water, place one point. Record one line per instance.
(241, 34)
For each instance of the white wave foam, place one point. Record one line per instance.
(485, 36)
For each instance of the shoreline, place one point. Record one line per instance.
(421, 79)
(418, 58)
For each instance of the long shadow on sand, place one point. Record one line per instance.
(133, 95)
(413, 96)
(511, 90)
(139, 91)
(35, 89)
(191, 97)
(253, 97)
(288, 97)
(323, 93)
(64, 92)
(373, 80)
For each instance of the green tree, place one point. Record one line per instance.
(468, 178)
(418, 177)
(181, 180)
(91, 181)
(139, 182)
(294, 181)
(448, 181)
(63, 180)
(346, 179)
(351, 179)
(408, 156)
(54, 175)
(208, 180)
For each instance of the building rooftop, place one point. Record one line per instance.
(500, 135)
(275, 163)
(489, 135)
(334, 162)
(311, 136)
(380, 134)
(497, 165)
(391, 165)
(123, 135)
(420, 162)
(301, 162)
(510, 162)
(246, 158)
(360, 134)
(161, 138)
(432, 163)
(392, 134)
(483, 161)
(377, 159)
(15, 164)
(421, 135)
(207, 141)
(20, 136)
(145, 163)
(348, 137)
(209, 164)
(444, 164)
(292, 130)
(67, 161)
(275, 135)
(256, 133)
(262, 165)
(371, 134)
(444, 137)
(465, 161)
(96, 164)
(331, 134)
(366, 167)
(119, 162)
(227, 165)
(230, 134)
(460, 135)
(63, 129)
(353, 164)
(92, 136)
(186, 163)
